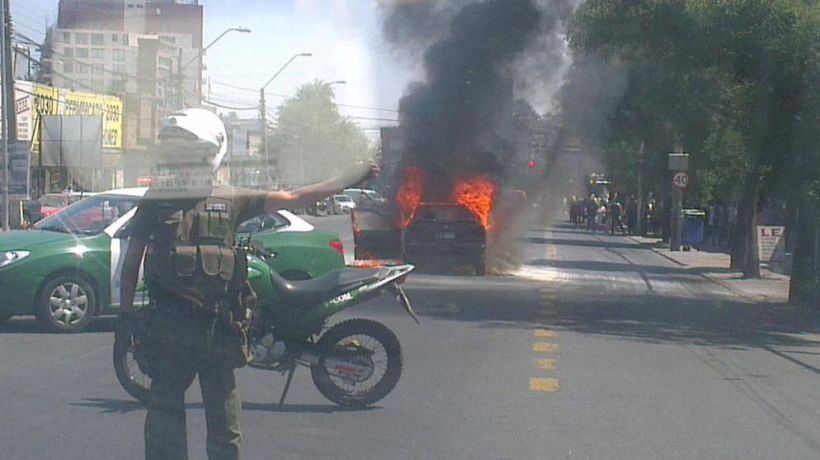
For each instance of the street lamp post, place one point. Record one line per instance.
(262, 112)
(198, 58)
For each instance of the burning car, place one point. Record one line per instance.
(445, 231)
(429, 222)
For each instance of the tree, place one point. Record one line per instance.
(757, 59)
(311, 140)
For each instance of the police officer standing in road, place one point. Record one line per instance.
(197, 281)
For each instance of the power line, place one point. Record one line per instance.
(50, 49)
(228, 107)
(18, 24)
(72, 80)
(353, 106)
(372, 118)
(230, 85)
(378, 109)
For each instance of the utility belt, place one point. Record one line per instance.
(226, 330)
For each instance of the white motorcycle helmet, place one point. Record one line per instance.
(193, 137)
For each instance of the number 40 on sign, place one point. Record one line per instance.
(680, 180)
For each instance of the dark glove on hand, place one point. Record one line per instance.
(361, 172)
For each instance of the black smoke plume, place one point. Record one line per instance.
(456, 121)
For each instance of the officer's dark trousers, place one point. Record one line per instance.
(179, 347)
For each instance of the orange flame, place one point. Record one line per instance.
(367, 264)
(410, 193)
(476, 194)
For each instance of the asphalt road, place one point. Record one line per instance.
(596, 348)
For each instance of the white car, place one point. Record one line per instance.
(342, 204)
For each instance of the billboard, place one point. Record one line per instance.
(33, 101)
(19, 167)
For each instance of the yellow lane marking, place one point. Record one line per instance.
(543, 347)
(546, 364)
(544, 333)
(548, 385)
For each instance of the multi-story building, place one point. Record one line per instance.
(149, 53)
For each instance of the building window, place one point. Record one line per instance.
(82, 53)
(98, 53)
(68, 67)
(97, 39)
(115, 38)
(81, 38)
(68, 52)
(119, 68)
(118, 86)
(67, 37)
(165, 62)
(119, 55)
(96, 69)
(125, 39)
(82, 68)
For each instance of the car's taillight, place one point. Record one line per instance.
(338, 246)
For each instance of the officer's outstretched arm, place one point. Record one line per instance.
(309, 194)
(130, 273)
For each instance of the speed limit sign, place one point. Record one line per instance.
(680, 180)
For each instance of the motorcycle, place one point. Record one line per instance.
(356, 362)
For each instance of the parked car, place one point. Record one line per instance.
(364, 197)
(66, 268)
(444, 231)
(51, 203)
(342, 204)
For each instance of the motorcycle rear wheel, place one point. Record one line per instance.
(131, 378)
(386, 358)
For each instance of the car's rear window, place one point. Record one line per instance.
(444, 213)
(55, 201)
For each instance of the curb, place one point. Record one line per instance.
(756, 298)
(656, 251)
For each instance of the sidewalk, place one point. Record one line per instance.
(770, 288)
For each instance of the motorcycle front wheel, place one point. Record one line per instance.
(135, 382)
(382, 352)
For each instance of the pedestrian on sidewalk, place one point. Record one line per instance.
(592, 213)
(616, 213)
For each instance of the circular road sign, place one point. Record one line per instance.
(681, 180)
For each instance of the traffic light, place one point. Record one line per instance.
(531, 165)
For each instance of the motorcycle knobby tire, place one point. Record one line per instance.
(123, 352)
(359, 327)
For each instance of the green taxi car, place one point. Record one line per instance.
(66, 269)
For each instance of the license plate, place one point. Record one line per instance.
(445, 235)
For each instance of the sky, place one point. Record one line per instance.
(342, 35)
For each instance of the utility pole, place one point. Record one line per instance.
(263, 118)
(9, 129)
(640, 215)
(180, 95)
(679, 162)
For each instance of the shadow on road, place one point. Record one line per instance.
(111, 406)
(304, 408)
(28, 325)
(123, 406)
(586, 298)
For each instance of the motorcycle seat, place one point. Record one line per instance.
(305, 294)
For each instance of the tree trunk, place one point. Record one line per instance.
(751, 257)
(803, 286)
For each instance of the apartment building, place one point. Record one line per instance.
(149, 53)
